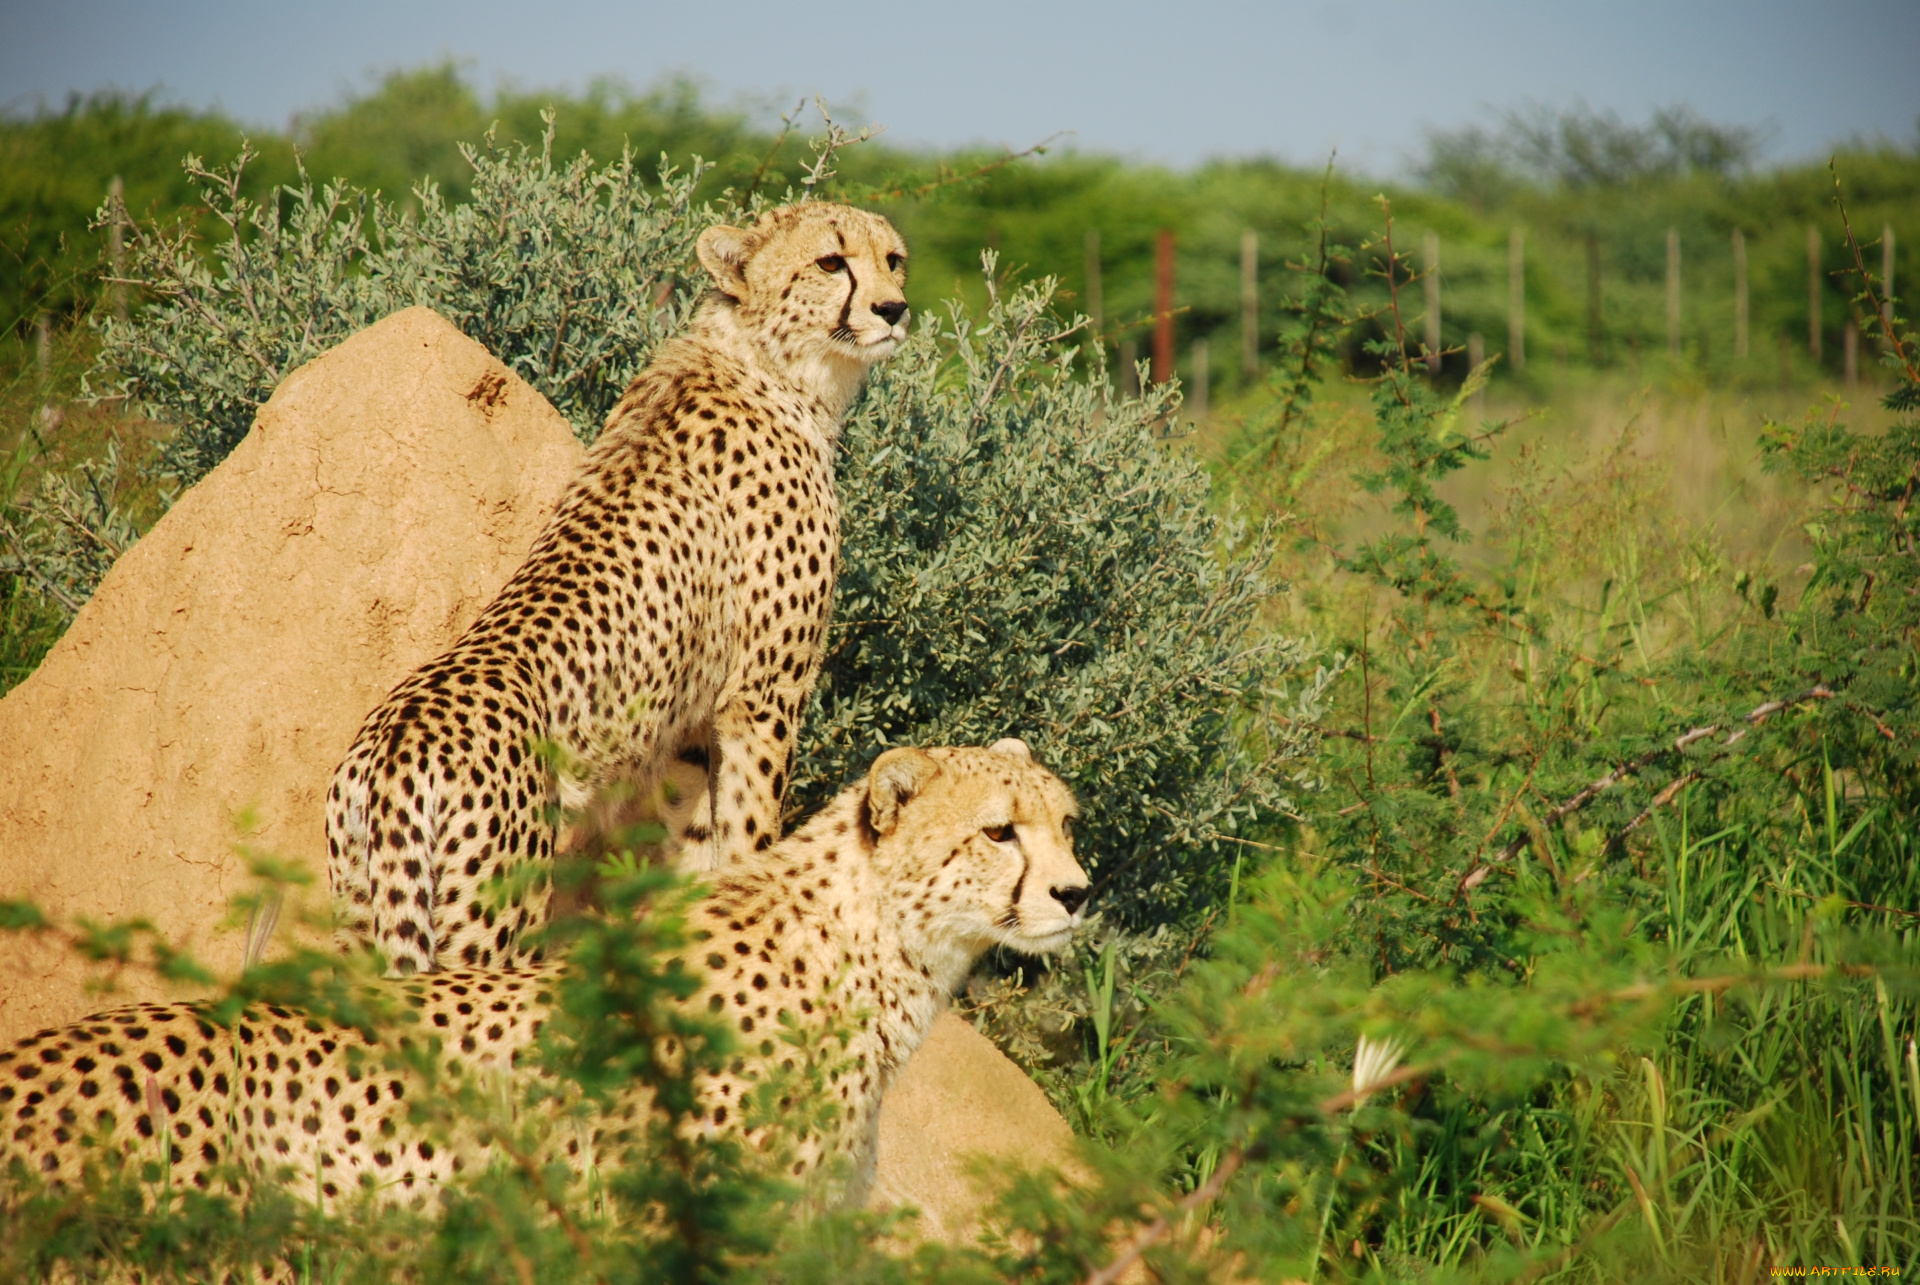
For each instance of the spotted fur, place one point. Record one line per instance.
(672, 609)
(863, 922)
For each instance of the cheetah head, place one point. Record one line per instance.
(818, 287)
(980, 839)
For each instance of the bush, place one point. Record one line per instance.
(62, 539)
(55, 167)
(570, 275)
(1022, 555)
(1595, 731)
(1622, 999)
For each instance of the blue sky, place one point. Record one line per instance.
(1165, 82)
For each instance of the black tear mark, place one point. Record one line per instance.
(846, 309)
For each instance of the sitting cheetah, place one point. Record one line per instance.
(864, 921)
(674, 606)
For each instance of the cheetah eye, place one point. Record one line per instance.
(894, 262)
(999, 833)
(830, 263)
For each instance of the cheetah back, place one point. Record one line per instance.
(674, 608)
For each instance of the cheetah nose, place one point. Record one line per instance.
(891, 311)
(1072, 898)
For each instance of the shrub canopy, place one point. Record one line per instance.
(1024, 554)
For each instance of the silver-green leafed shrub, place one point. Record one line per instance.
(569, 274)
(1022, 553)
(1024, 556)
(62, 538)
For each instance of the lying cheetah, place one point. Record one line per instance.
(674, 606)
(863, 921)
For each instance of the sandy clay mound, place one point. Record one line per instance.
(383, 496)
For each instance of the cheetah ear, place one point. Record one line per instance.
(896, 777)
(1012, 745)
(724, 252)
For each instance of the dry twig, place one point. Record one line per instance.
(1478, 874)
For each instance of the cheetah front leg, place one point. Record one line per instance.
(675, 798)
(753, 736)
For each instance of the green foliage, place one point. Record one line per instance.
(1561, 178)
(570, 274)
(1856, 616)
(1420, 442)
(409, 128)
(55, 168)
(30, 623)
(1582, 148)
(71, 493)
(1593, 732)
(1025, 557)
(1259, 1126)
(59, 542)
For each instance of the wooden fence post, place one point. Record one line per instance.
(1739, 295)
(1094, 300)
(1163, 309)
(1813, 291)
(1430, 285)
(1850, 352)
(1476, 354)
(1130, 366)
(1886, 273)
(44, 417)
(1595, 335)
(117, 248)
(1249, 302)
(1517, 298)
(1673, 293)
(1202, 362)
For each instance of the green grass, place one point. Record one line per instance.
(1633, 563)
(1631, 567)
(35, 446)
(1744, 1128)
(1772, 1128)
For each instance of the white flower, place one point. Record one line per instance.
(1373, 1061)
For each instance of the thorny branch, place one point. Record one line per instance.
(1478, 874)
(1393, 291)
(787, 122)
(1593, 1006)
(1882, 309)
(824, 149)
(944, 179)
(1230, 1163)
